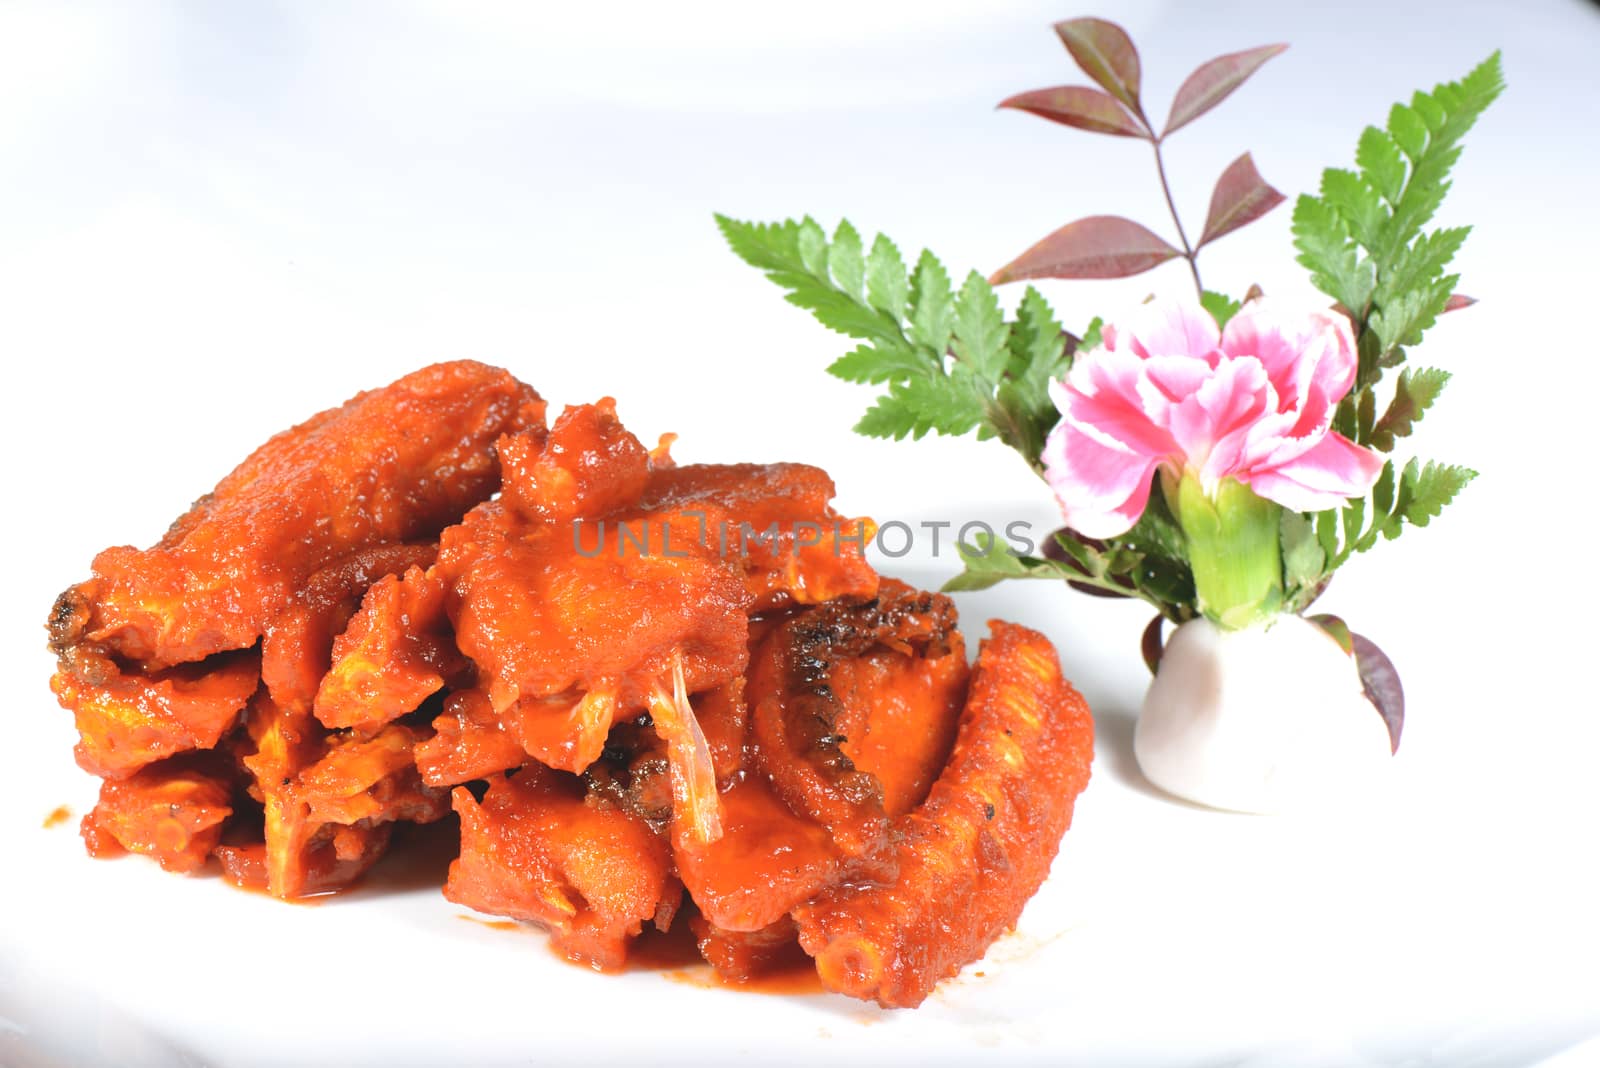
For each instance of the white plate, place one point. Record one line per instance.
(220, 219)
(1166, 934)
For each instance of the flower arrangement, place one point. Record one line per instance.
(1218, 458)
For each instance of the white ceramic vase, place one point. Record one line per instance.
(1265, 718)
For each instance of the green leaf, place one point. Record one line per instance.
(1362, 237)
(795, 255)
(1326, 250)
(1303, 558)
(1357, 203)
(845, 260)
(1091, 335)
(1421, 263)
(922, 405)
(1038, 346)
(1408, 131)
(1414, 393)
(980, 330)
(932, 312)
(1446, 115)
(887, 284)
(1328, 533)
(1427, 489)
(812, 245)
(987, 562)
(1383, 491)
(1037, 356)
(887, 362)
(1381, 162)
(1352, 516)
(766, 246)
(1402, 321)
(1158, 533)
(837, 311)
(1220, 306)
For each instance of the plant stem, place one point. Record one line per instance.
(1110, 586)
(1234, 549)
(1166, 188)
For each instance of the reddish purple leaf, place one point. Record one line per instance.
(1101, 246)
(1151, 646)
(1080, 106)
(1212, 81)
(1240, 197)
(1458, 301)
(1106, 54)
(1337, 629)
(1381, 682)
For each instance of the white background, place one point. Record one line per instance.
(216, 219)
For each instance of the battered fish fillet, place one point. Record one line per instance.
(973, 854)
(127, 719)
(776, 519)
(297, 649)
(396, 652)
(537, 849)
(172, 811)
(641, 679)
(328, 798)
(799, 724)
(567, 641)
(396, 464)
(883, 681)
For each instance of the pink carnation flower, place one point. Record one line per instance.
(1166, 389)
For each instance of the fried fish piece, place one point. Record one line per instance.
(739, 956)
(297, 648)
(568, 638)
(900, 715)
(537, 849)
(468, 742)
(127, 719)
(776, 520)
(985, 837)
(396, 652)
(173, 811)
(767, 861)
(587, 465)
(883, 680)
(395, 464)
(328, 797)
(799, 722)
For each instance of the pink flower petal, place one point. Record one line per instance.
(1169, 379)
(1233, 396)
(1167, 388)
(1262, 329)
(1102, 491)
(1102, 396)
(1322, 477)
(1303, 350)
(1336, 370)
(1171, 328)
(1249, 446)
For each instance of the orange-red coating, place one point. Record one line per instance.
(394, 464)
(973, 854)
(172, 811)
(129, 718)
(536, 850)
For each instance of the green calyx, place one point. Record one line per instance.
(1234, 549)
